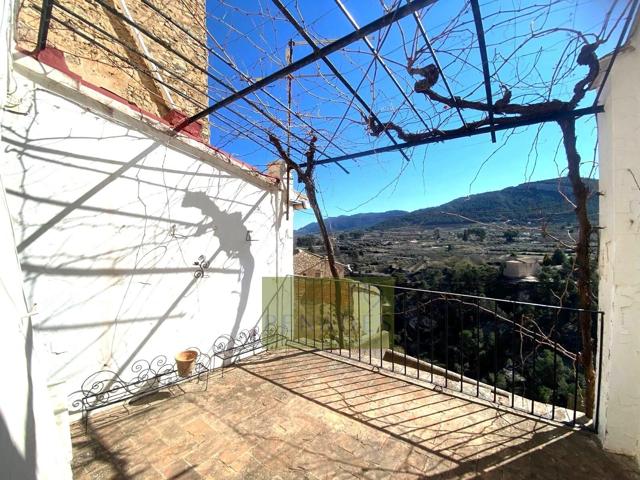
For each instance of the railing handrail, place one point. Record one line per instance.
(451, 294)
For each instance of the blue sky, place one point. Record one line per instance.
(436, 173)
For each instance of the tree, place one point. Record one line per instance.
(510, 235)
(509, 113)
(558, 257)
(306, 177)
(306, 241)
(479, 233)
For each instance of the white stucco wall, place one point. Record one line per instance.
(31, 445)
(110, 213)
(619, 292)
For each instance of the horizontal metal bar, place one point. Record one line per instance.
(461, 295)
(333, 47)
(461, 133)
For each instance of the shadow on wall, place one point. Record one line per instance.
(232, 234)
(228, 227)
(13, 465)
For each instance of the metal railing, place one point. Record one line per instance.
(107, 387)
(518, 354)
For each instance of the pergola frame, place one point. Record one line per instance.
(411, 7)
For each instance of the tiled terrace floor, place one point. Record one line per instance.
(306, 415)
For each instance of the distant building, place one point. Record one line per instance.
(307, 264)
(522, 268)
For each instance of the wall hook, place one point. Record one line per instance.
(202, 265)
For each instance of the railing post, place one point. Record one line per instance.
(295, 314)
(404, 326)
(392, 334)
(359, 328)
(461, 340)
(495, 350)
(314, 306)
(306, 309)
(418, 328)
(381, 317)
(369, 322)
(322, 315)
(555, 381)
(350, 319)
(446, 347)
(432, 359)
(477, 347)
(332, 308)
(575, 389)
(513, 358)
(533, 371)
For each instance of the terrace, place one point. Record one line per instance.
(289, 403)
(129, 239)
(308, 414)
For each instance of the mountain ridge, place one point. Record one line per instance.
(357, 221)
(524, 203)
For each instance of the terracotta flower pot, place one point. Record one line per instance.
(185, 360)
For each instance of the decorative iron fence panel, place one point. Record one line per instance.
(107, 387)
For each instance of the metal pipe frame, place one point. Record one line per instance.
(477, 18)
(220, 82)
(147, 74)
(333, 69)
(332, 47)
(632, 13)
(461, 133)
(381, 61)
(436, 62)
(43, 29)
(234, 68)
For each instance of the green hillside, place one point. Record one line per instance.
(528, 202)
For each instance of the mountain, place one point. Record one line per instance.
(358, 221)
(528, 202)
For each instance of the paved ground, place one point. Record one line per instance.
(304, 415)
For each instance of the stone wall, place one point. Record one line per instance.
(124, 70)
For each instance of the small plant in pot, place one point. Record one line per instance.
(185, 360)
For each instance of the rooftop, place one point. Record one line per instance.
(306, 414)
